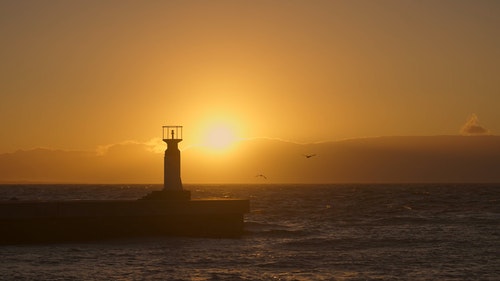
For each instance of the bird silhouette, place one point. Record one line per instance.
(309, 155)
(261, 176)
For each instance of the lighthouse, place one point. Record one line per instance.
(172, 183)
(172, 135)
(166, 212)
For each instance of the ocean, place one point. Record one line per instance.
(293, 232)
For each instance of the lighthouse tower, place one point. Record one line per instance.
(172, 135)
(172, 184)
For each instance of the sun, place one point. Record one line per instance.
(219, 137)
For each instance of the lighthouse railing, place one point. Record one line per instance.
(172, 132)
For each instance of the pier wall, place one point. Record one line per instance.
(55, 221)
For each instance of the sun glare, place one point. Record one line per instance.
(219, 137)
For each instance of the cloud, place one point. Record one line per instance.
(155, 145)
(473, 128)
(381, 159)
(124, 162)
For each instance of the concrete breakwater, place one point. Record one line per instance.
(55, 221)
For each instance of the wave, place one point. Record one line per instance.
(272, 229)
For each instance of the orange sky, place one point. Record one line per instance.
(80, 74)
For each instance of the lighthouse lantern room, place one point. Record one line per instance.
(172, 133)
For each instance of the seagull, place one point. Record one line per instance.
(261, 176)
(309, 155)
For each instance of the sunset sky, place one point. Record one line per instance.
(77, 75)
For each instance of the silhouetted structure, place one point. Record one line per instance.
(172, 135)
(172, 183)
(169, 211)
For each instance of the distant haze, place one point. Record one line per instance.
(381, 159)
(77, 74)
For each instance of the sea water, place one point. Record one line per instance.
(293, 232)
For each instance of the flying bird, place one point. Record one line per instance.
(309, 155)
(261, 176)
